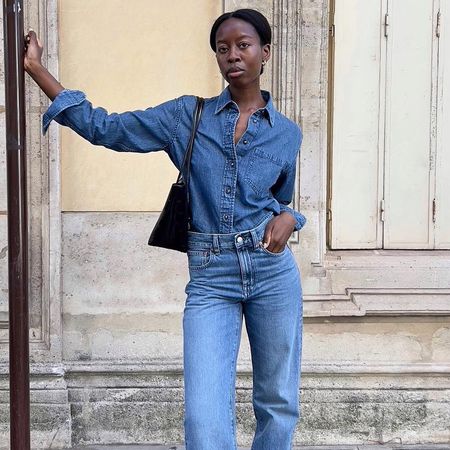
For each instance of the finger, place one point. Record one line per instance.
(267, 235)
(277, 245)
(273, 245)
(33, 36)
(28, 39)
(277, 248)
(278, 237)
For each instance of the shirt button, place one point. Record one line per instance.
(254, 121)
(228, 190)
(232, 163)
(245, 142)
(225, 217)
(240, 240)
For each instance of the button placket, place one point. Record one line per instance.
(230, 175)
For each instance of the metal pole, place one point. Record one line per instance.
(19, 369)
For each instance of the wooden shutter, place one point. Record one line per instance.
(355, 142)
(409, 82)
(390, 160)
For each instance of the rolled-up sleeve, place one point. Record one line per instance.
(283, 190)
(65, 99)
(146, 130)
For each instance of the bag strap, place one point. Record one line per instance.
(188, 153)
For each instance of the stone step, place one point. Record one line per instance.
(333, 447)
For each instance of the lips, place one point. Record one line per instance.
(234, 70)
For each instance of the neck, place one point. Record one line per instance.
(248, 98)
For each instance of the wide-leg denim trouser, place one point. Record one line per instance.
(231, 276)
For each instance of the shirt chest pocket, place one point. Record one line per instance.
(263, 171)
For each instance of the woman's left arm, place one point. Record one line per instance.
(280, 228)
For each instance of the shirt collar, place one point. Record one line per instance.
(224, 99)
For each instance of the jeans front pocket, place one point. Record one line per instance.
(264, 250)
(199, 259)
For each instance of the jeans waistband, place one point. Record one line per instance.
(248, 238)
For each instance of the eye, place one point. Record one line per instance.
(244, 45)
(222, 50)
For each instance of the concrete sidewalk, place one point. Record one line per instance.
(336, 447)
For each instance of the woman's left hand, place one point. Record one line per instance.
(278, 231)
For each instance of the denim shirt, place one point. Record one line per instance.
(232, 187)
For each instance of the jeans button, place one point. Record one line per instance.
(240, 240)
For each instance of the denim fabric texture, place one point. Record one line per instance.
(233, 276)
(232, 187)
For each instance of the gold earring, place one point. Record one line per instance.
(264, 62)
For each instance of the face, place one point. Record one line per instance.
(239, 52)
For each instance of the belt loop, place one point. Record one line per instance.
(255, 237)
(216, 245)
(258, 232)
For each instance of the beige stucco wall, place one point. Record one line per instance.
(128, 55)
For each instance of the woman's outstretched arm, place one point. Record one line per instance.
(33, 66)
(152, 129)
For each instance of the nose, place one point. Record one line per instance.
(233, 54)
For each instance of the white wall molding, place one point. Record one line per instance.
(379, 302)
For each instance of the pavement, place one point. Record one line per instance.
(321, 447)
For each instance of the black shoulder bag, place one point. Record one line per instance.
(171, 229)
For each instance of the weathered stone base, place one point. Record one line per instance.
(49, 411)
(145, 407)
(143, 403)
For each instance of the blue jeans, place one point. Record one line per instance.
(232, 275)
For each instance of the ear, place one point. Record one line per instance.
(266, 49)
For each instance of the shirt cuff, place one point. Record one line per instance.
(65, 99)
(300, 218)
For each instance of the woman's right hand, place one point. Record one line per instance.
(33, 51)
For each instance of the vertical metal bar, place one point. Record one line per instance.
(17, 226)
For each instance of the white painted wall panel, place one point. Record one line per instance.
(443, 149)
(409, 81)
(355, 143)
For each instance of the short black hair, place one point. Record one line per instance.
(253, 17)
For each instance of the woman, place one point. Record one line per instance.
(242, 179)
